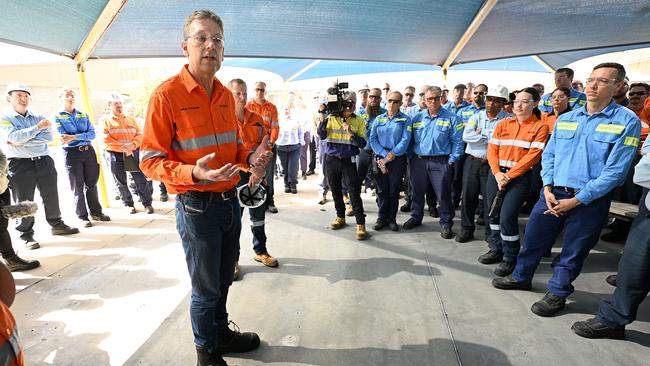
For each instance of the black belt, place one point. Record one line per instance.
(33, 158)
(80, 148)
(484, 161)
(425, 157)
(211, 196)
(567, 189)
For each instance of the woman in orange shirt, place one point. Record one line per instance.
(516, 146)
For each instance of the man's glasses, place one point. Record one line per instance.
(421, 95)
(374, 96)
(605, 81)
(386, 89)
(479, 93)
(202, 39)
(260, 90)
(634, 94)
(433, 99)
(408, 94)
(394, 101)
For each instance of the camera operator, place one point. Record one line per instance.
(344, 133)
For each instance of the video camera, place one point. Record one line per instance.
(336, 104)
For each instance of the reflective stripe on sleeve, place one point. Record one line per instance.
(121, 130)
(204, 141)
(148, 154)
(631, 141)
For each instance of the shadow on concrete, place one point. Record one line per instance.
(56, 345)
(436, 352)
(367, 269)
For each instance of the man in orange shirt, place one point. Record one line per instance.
(193, 144)
(269, 113)
(11, 353)
(122, 139)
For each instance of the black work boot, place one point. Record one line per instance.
(509, 283)
(491, 257)
(594, 328)
(548, 305)
(235, 341)
(207, 358)
(16, 264)
(504, 268)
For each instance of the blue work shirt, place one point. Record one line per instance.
(591, 153)
(410, 111)
(477, 141)
(75, 123)
(576, 101)
(465, 113)
(438, 135)
(25, 140)
(391, 134)
(451, 106)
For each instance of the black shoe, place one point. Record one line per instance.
(100, 217)
(446, 233)
(148, 209)
(480, 221)
(406, 207)
(205, 358)
(87, 222)
(234, 341)
(548, 253)
(287, 190)
(15, 263)
(164, 197)
(504, 269)
(555, 261)
(491, 257)
(411, 223)
(594, 328)
(509, 283)
(548, 305)
(62, 229)
(272, 208)
(434, 212)
(611, 279)
(310, 172)
(30, 243)
(393, 225)
(132, 210)
(617, 235)
(464, 237)
(294, 190)
(380, 224)
(304, 176)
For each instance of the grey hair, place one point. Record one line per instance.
(434, 88)
(199, 15)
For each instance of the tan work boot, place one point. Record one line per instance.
(266, 259)
(349, 211)
(236, 276)
(361, 232)
(323, 199)
(338, 223)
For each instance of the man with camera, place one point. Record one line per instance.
(345, 134)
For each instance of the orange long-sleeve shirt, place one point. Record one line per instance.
(183, 125)
(119, 131)
(549, 120)
(11, 352)
(517, 146)
(269, 114)
(253, 129)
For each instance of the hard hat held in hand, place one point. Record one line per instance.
(251, 197)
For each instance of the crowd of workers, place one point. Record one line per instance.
(486, 151)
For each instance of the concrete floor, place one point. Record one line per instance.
(118, 293)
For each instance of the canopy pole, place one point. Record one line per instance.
(302, 71)
(83, 88)
(469, 33)
(543, 63)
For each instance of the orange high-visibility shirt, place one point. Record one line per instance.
(182, 126)
(549, 120)
(269, 114)
(119, 131)
(517, 146)
(11, 354)
(253, 129)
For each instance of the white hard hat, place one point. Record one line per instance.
(18, 86)
(251, 197)
(498, 91)
(114, 97)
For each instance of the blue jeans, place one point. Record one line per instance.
(209, 231)
(632, 284)
(257, 218)
(289, 157)
(581, 226)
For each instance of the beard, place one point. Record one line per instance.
(373, 111)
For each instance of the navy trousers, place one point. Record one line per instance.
(388, 188)
(475, 176)
(581, 227)
(633, 281)
(83, 173)
(436, 172)
(116, 159)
